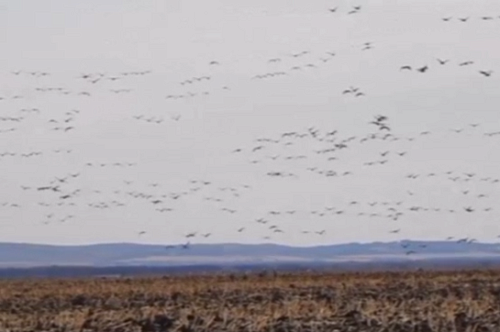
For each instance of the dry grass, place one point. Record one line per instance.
(423, 301)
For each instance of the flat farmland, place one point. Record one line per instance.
(397, 301)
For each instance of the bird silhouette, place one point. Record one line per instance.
(423, 69)
(486, 73)
(466, 63)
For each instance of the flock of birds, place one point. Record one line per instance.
(294, 154)
(423, 69)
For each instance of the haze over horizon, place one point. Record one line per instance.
(136, 113)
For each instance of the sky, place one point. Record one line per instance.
(98, 101)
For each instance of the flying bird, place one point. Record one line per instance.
(466, 63)
(423, 69)
(486, 73)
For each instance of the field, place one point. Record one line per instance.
(409, 301)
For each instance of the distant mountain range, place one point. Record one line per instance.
(14, 255)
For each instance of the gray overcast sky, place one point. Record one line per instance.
(174, 41)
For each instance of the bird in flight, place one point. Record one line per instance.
(333, 10)
(405, 68)
(442, 62)
(486, 73)
(466, 63)
(423, 69)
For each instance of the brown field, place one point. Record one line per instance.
(411, 301)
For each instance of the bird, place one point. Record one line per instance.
(53, 188)
(466, 63)
(333, 10)
(405, 67)
(423, 69)
(486, 73)
(442, 62)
